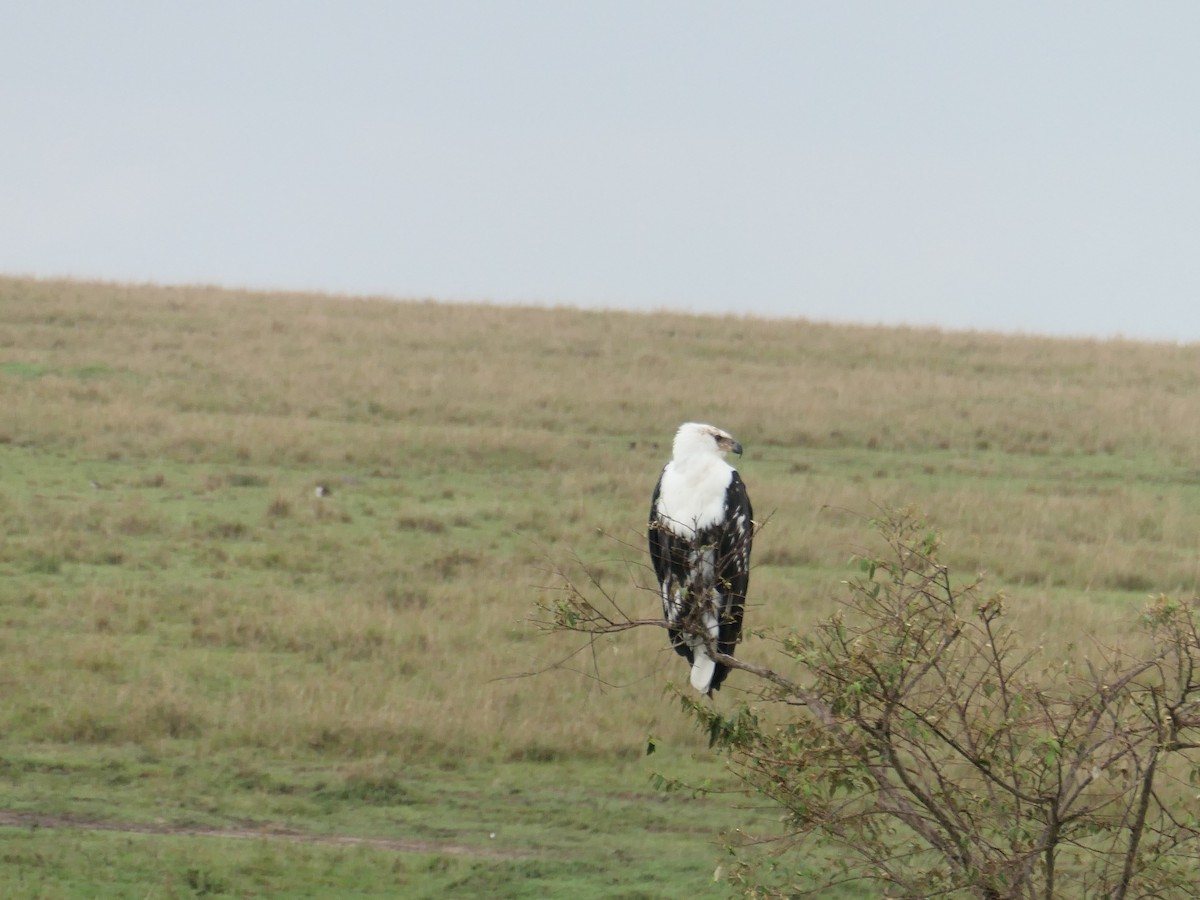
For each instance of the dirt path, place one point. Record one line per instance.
(265, 832)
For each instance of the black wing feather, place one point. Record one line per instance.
(668, 553)
(733, 576)
(657, 537)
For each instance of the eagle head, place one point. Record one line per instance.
(696, 439)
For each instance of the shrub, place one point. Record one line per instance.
(925, 749)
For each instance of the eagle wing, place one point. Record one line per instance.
(657, 539)
(668, 553)
(733, 574)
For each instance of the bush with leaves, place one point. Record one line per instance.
(923, 751)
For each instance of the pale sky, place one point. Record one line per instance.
(1015, 166)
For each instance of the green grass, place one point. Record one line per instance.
(188, 824)
(196, 641)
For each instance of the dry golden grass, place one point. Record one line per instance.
(206, 595)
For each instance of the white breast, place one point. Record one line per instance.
(691, 499)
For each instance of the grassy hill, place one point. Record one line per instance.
(219, 682)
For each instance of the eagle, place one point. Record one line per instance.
(700, 530)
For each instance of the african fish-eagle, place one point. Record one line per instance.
(700, 532)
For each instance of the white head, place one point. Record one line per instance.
(694, 439)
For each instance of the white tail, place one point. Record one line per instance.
(702, 669)
(703, 665)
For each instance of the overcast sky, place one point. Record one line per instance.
(1016, 166)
